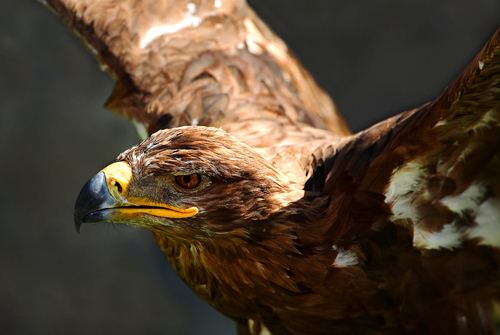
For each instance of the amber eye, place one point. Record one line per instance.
(188, 181)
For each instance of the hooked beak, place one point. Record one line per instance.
(104, 198)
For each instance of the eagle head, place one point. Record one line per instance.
(188, 182)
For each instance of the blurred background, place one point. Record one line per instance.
(376, 58)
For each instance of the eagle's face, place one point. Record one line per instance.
(191, 182)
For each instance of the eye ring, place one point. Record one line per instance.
(188, 181)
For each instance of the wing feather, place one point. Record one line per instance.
(437, 166)
(179, 62)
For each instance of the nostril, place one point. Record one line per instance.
(119, 187)
(116, 184)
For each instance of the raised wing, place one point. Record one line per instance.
(451, 179)
(179, 62)
(438, 165)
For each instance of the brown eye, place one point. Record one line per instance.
(188, 181)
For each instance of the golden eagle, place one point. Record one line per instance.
(263, 201)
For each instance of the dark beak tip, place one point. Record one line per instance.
(78, 226)
(93, 197)
(78, 219)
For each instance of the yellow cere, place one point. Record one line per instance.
(118, 178)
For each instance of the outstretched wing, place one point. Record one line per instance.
(437, 166)
(179, 62)
(452, 182)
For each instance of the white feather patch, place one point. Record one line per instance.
(405, 182)
(488, 223)
(449, 237)
(467, 201)
(345, 257)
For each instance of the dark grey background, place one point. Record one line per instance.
(375, 58)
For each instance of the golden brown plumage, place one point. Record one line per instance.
(179, 63)
(294, 226)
